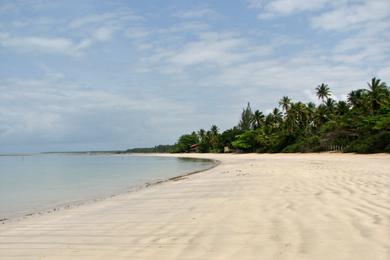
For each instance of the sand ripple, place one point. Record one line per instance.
(310, 206)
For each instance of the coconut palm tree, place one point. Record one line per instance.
(214, 137)
(297, 117)
(321, 115)
(214, 130)
(204, 137)
(378, 93)
(278, 117)
(311, 106)
(291, 122)
(269, 123)
(285, 103)
(358, 98)
(342, 108)
(258, 119)
(330, 105)
(311, 111)
(201, 134)
(323, 92)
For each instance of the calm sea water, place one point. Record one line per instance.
(34, 183)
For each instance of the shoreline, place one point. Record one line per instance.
(269, 206)
(126, 190)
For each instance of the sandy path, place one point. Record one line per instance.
(310, 206)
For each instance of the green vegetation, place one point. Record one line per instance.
(359, 124)
(156, 149)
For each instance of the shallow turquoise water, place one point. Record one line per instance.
(34, 183)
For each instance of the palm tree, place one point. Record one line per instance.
(204, 136)
(330, 105)
(297, 117)
(342, 108)
(291, 118)
(358, 98)
(285, 103)
(214, 130)
(311, 106)
(214, 137)
(323, 92)
(378, 93)
(201, 134)
(278, 116)
(258, 119)
(302, 113)
(321, 115)
(269, 123)
(311, 110)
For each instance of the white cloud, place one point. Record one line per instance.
(191, 27)
(103, 33)
(198, 13)
(367, 46)
(327, 14)
(352, 15)
(255, 72)
(209, 50)
(91, 28)
(286, 7)
(384, 73)
(358, 55)
(370, 24)
(137, 32)
(90, 19)
(37, 22)
(256, 3)
(43, 44)
(110, 18)
(188, 26)
(55, 110)
(17, 5)
(101, 27)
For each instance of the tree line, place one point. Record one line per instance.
(359, 124)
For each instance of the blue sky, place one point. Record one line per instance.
(82, 75)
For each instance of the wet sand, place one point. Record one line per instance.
(251, 206)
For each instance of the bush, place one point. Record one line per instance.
(372, 144)
(292, 148)
(184, 143)
(308, 144)
(245, 142)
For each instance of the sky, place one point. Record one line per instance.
(107, 75)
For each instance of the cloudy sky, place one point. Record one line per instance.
(82, 75)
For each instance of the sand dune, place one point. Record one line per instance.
(282, 206)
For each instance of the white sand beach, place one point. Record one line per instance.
(251, 206)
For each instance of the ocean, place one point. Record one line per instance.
(36, 183)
